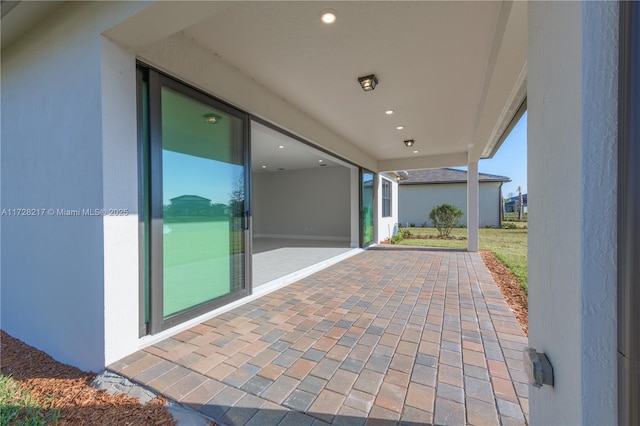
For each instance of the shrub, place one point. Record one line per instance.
(400, 235)
(396, 238)
(412, 225)
(444, 217)
(424, 225)
(509, 225)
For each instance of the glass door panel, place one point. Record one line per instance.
(366, 207)
(203, 202)
(195, 188)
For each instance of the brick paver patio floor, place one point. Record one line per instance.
(391, 335)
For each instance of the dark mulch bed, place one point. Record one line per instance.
(60, 386)
(508, 284)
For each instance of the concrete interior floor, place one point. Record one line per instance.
(274, 258)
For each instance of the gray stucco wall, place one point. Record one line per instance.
(56, 155)
(310, 203)
(416, 201)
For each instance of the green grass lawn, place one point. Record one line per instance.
(17, 407)
(508, 245)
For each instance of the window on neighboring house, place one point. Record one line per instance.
(386, 198)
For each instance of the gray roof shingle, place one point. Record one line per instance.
(446, 175)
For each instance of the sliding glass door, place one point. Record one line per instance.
(197, 184)
(366, 207)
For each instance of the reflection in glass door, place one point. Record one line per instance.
(198, 202)
(366, 207)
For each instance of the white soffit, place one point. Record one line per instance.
(22, 16)
(430, 59)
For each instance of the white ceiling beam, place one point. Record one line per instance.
(162, 19)
(423, 162)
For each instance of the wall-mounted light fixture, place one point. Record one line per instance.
(538, 368)
(401, 175)
(368, 82)
(409, 142)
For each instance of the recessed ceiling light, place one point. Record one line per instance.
(320, 161)
(415, 152)
(212, 118)
(389, 111)
(328, 16)
(264, 167)
(281, 146)
(399, 127)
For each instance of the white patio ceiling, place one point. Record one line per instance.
(453, 72)
(434, 62)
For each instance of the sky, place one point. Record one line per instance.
(510, 160)
(185, 174)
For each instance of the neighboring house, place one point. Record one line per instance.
(511, 204)
(190, 205)
(88, 88)
(422, 190)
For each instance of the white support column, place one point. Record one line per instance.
(473, 206)
(572, 99)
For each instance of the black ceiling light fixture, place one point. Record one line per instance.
(368, 82)
(409, 142)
